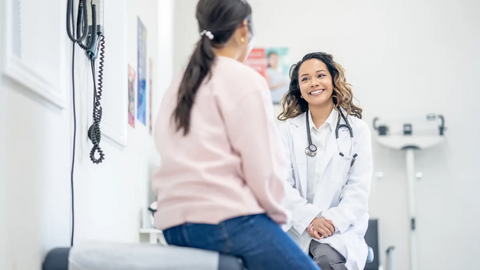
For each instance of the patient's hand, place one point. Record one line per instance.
(321, 228)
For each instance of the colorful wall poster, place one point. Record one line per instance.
(278, 68)
(257, 60)
(150, 95)
(131, 96)
(142, 73)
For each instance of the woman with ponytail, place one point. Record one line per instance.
(220, 183)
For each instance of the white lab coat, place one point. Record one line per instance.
(342, 194)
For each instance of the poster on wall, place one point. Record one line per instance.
(142, 73)
(150, 95)
(278, 68)
(256, 60)
(131, 96)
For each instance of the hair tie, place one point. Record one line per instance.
(208, 34)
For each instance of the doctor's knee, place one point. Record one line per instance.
(326, 257)
(329, 263)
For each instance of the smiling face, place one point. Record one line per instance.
(315, 82)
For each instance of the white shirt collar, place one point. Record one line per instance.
(328, 123)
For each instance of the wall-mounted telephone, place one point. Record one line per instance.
(90, 36)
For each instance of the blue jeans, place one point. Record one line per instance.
(256, 239)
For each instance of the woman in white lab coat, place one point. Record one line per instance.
(330, 176)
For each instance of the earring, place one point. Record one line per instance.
(301, 96)
(242, 40)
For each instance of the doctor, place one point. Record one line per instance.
(330, 154)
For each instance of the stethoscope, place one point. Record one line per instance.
(311, 149)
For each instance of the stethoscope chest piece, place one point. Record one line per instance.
(311, 150)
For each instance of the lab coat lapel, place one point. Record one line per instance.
(300, 142)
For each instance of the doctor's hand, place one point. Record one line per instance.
(321, 228)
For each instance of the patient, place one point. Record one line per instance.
(220, 182)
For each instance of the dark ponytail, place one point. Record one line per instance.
(220, 18)
(198, 68)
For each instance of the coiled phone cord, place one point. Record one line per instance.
(94, 132)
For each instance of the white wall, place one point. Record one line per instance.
(3, 219)
(37, 139)
(404, 58)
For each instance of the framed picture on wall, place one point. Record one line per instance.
(142, 74)
(131, 96)
(150, 96)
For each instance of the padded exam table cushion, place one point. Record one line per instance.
(122, 256)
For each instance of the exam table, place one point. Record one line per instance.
(124, 256)
(120, 256)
